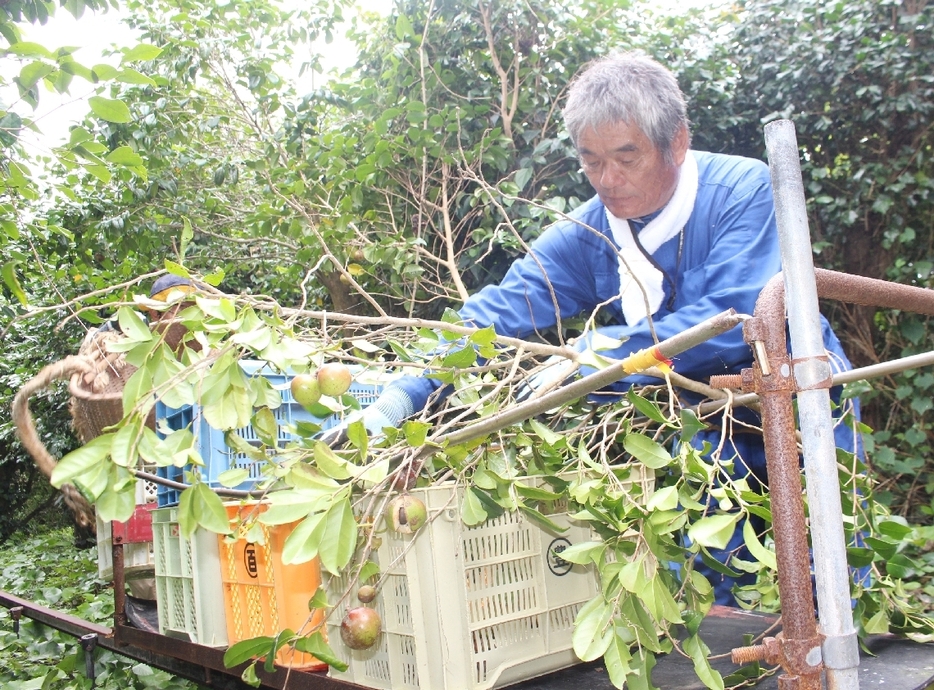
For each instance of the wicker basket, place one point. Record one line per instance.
(96, 381)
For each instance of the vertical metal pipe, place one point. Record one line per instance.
(812, 375)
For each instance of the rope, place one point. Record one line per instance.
(29, 437)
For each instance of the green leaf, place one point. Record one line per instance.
(415, 432)
(246, 650)
(758, 551)
(714, 531)
(663, 499)
(592, 630)
(583, 552)
(893, 529)
(699, 654)
(878, 624)
(132, 76)
(142, 52)
(138, 387)
(116, 505)
(123, 450)
(658, 600)
(233, 477)
(641, 678)
(29, 49)
(316, 645)
(550, 437)
(616, 658)
(133, 326)
(208, 510)
(340, 537)
(646, 407)
(31, 73)
(266, 428)
(472, 510)
(231, 411)
(648, 452)
(331, 464)
(12, 282)
(690, 425)
(523, 175)
(368, 570)
(81, 461)
(303, 542)
(900, 566)
(109, 109)
(541, 520)
(187, 522)
(124, 155)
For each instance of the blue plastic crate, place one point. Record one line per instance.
(218, 456)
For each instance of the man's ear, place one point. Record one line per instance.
(680, 146)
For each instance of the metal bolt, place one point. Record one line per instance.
(88, 644)
(16, 612)
(770, 651)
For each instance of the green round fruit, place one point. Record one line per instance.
(360, 628)
(306, 390)
(407, 514)
(366, 593)
(334, 379)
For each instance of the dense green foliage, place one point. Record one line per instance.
(404, 177)
(48, 571)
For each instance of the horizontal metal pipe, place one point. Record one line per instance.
(873, 371)
(666, 349)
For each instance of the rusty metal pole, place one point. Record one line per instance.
(812, 375)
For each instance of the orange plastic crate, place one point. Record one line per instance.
(262, 595)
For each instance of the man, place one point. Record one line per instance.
(673, 236)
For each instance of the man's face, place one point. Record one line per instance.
(628, 173)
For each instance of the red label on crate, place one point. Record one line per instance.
(250, 562)
(138, 529)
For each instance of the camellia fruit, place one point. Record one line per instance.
(305, 389)
(407, 514)
(366, 593)
(360, 628)
(334, 379)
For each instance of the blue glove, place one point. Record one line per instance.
(392, 408)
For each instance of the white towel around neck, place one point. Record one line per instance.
(657, 231)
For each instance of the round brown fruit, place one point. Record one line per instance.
(305, 389)
(366, 593)
(360, 628)
(407, 514)
(334, 379)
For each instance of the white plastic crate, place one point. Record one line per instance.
(189, 593)
(471, 608)
(138, 557)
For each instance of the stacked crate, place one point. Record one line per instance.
(471, 608)
(217, 456)
(217, 590)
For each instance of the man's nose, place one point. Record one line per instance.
(613, 175)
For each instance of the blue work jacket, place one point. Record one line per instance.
(722, 259)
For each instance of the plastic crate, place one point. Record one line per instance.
(136, 534)
(218, 457)
(469, 608)
(188, 584)
(262, 596)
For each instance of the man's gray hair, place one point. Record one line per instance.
(628, 88)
